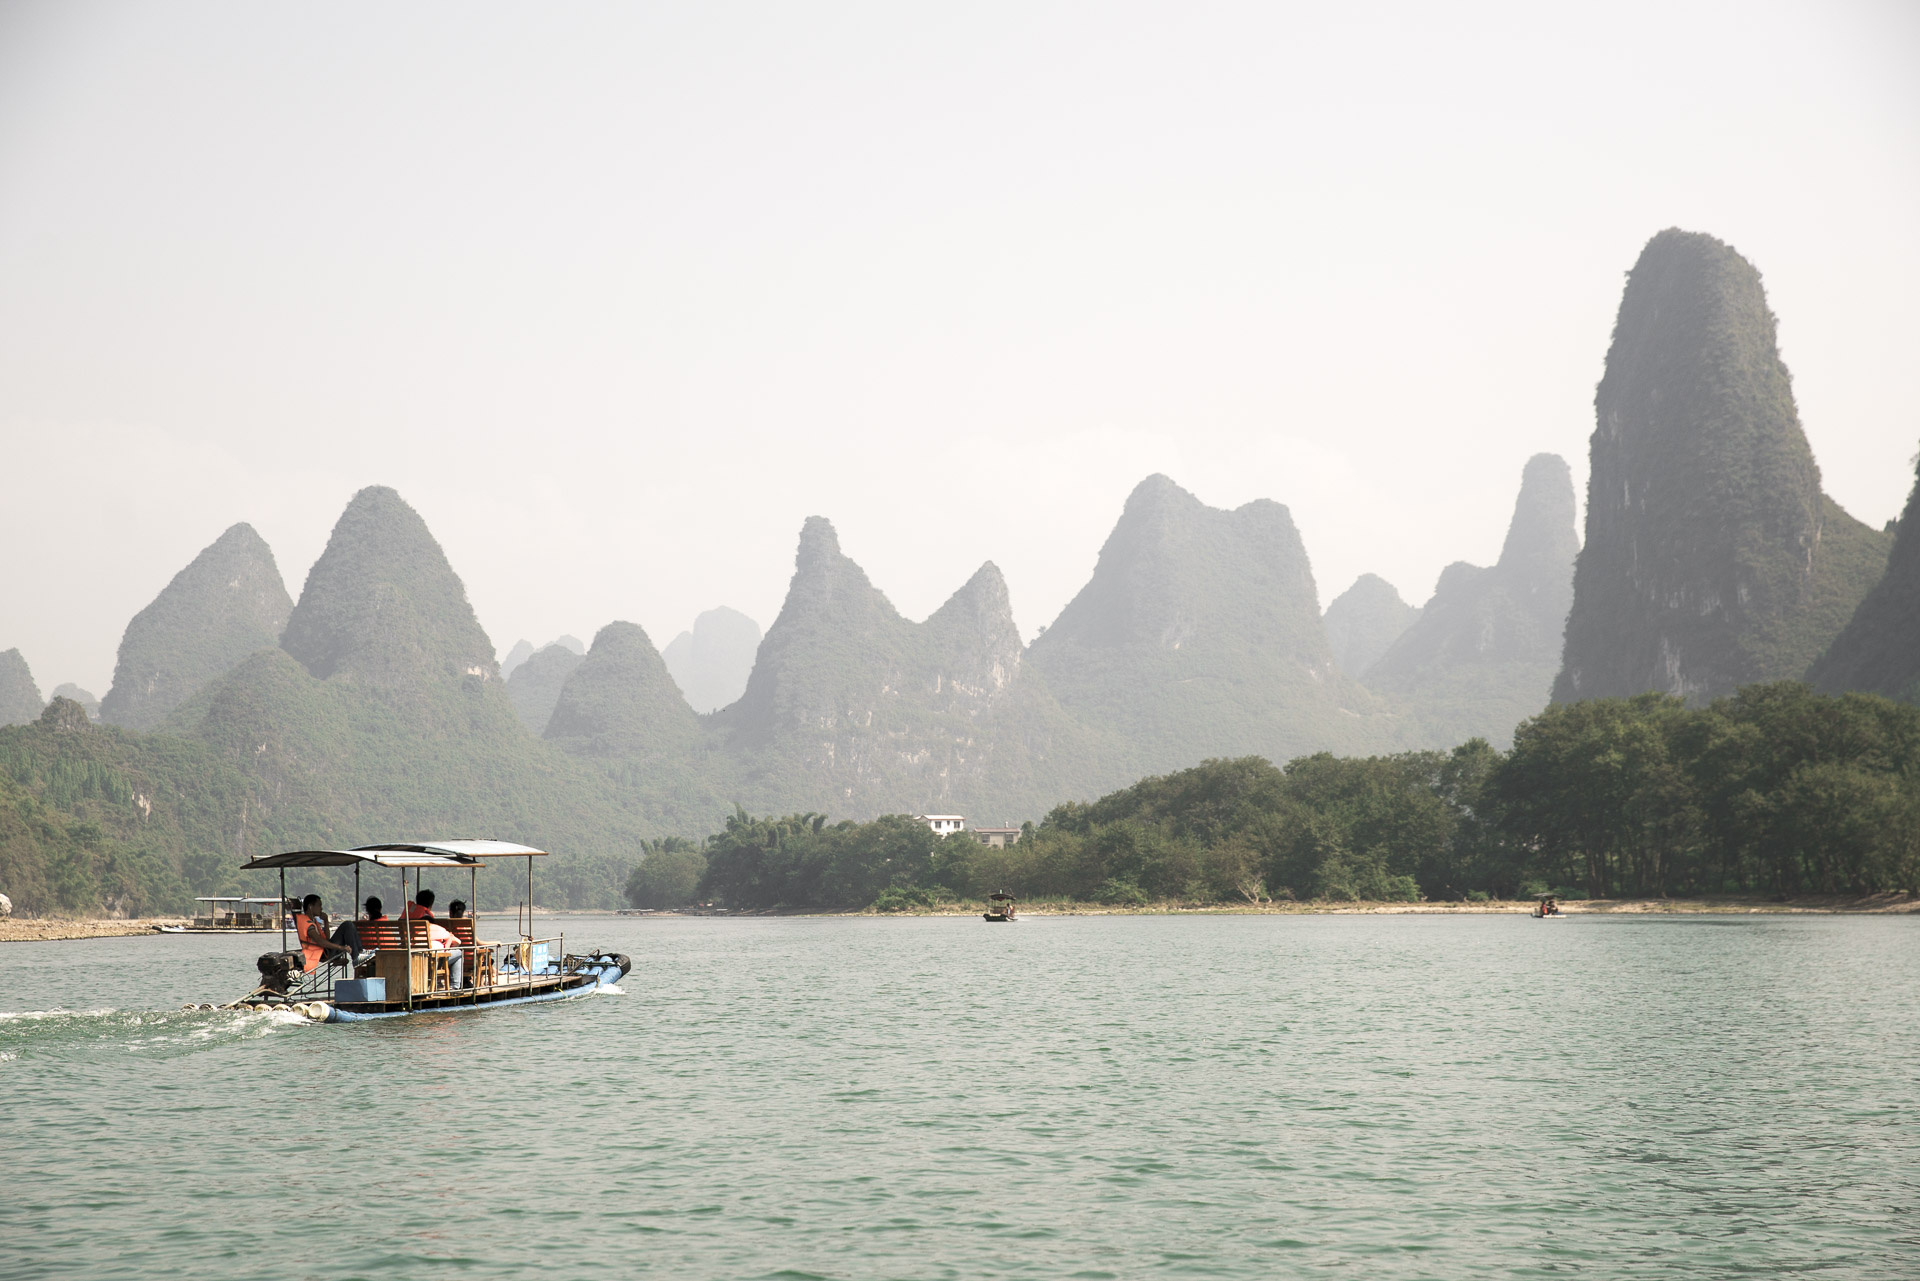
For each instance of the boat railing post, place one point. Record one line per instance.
(281, 910)
(406, 931)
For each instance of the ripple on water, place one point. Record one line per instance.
(1240, 1097)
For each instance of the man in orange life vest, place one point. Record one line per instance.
(421, 909)
(310, 928)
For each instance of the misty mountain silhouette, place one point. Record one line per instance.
(227, 603)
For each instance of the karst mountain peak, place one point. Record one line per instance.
(1712, 558)
(229, 602)
(383, 606)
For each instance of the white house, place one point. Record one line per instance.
(944, 824)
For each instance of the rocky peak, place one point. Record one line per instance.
(620, 699)
(712, 661)
(227, 603)
(536, 683)
(973, 636)
(65, 716)
(382, 606)
(1712, 559)
(1176, 573)
(1364, 620)
(1879, 651)
(20, 701)
(1541, 541)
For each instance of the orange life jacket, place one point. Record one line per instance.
(308, 950)
(417, 913)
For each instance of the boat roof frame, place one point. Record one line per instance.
(350, 858)
(458, 852)
(459, 847)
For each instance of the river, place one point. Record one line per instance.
(1086, 1097)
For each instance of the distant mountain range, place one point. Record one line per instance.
(240, 721)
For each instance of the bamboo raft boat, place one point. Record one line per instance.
(398, 971)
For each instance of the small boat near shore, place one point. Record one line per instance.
(1000, 907)
(399, 969)
(226, 915)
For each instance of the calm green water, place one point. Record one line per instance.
(1075, 1097)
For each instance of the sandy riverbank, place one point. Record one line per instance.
(20, 929)
(1824, 904)
(17, 929)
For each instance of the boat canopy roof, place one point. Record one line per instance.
(402, 857)
(463, 847)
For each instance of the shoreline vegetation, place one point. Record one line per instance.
(66, 929)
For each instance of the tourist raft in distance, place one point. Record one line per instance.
(999, 907)
(232, 916)
(398, 970)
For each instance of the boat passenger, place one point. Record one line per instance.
(310, 928)
(421, 909)
(348, 935)
(442, 939)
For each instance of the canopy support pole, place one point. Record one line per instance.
(282, 911)
(406, 926)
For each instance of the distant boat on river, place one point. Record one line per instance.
(999, 906)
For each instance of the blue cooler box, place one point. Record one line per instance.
(348, 991)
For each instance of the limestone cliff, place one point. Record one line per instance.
(620, 701)
(1364, 620)
(1483, 654)
(1712, 558)
(536, 683)
(382, 606)
(1199, 635)
(227, 603)
(1879, 651)
(711, 662)
(20, 701)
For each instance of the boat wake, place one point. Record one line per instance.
(32, 1034)
(611, 989)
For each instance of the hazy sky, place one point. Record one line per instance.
(617, 295)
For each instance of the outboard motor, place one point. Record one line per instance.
(278, 968)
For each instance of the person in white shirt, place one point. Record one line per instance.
(442, 939)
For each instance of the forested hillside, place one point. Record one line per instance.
(1775, 790)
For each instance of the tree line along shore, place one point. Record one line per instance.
(1775, 793)
(52, 929)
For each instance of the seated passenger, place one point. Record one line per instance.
(421, 909)
(348, 935)
(310, 929)
(442, 939)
